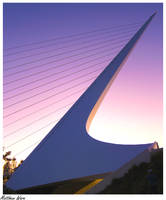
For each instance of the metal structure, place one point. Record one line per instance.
(68, 152)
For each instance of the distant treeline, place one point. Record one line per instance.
(146, 178)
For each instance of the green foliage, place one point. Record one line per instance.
(135, 180)
(5, 156)
(9, 166)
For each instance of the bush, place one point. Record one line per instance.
(135, 181)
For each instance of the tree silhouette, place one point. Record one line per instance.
(10, 165)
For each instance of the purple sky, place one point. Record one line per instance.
(43, 79)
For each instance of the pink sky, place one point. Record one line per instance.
(131, 112)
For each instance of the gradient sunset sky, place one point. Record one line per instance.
(53, 52)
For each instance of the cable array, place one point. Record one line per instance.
(53, 74)
(57, 66)
(74, 35)
(47, 106)
(72, 42)
(67, 57)
(26, 148)
(65, 83)
(94, 49)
